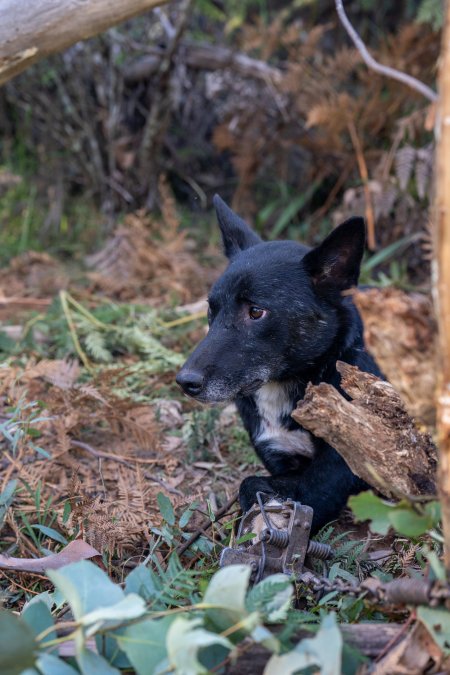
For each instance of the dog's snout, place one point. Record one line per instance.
(191, 381)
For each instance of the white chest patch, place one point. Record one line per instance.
(273, 404)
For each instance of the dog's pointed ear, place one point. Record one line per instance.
(236, 234)
(336, 262)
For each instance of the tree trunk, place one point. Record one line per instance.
(441, 275)
(373, 432)
(32, 29)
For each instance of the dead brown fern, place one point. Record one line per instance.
(147, 258)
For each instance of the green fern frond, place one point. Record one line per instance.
(95, 345)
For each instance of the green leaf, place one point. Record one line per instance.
(51, 600)
(437, 623)
(7, 344)
(226, 595)
(433, 511)
(186, 515)
(248, 536)
(166, 508)
(48, 664)
(94, 664)
(184, 640)
(145, 643)
(410, 523)
(17, 651)
(85, 587)
(38, 617)
(50, 532)
(367, 506)
(324, 651)
(6, 499)
(142, 581)
(107, 646)
(436, 564)
(132, 606)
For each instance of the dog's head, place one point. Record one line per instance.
(275, 313)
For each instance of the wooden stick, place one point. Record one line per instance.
(195, 535)
(370, 62)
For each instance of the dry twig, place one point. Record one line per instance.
(378, 67)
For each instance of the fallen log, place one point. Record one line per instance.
(373, 432)
(29, 31)
(370, 639)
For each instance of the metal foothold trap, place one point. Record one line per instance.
(282, 540)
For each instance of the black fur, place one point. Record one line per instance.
(264, 363)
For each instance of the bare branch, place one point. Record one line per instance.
(394, 74)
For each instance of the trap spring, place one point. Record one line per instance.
(281, 542)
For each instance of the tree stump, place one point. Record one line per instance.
(373, 432)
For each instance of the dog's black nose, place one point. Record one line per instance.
(190, 381)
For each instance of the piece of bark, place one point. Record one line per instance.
(400, 332)
(370, 639)
(373, 432)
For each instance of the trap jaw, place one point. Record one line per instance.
(283, 542)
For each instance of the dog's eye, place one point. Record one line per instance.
(256, 313)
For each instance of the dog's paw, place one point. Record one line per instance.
(248, 489)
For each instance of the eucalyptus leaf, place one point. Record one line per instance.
(91, 663)
(185, 638)
(226, 596)
(144, 643)
(131, 606)
(323, 651)
(85, 587)
(51, 599)
(108, 647)
(48, 664)
(38, 617)
(142, 581)
(18, 647)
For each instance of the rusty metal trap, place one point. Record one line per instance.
(281, 543)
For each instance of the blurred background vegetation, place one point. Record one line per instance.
(263, 101)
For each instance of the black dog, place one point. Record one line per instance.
(278, 320)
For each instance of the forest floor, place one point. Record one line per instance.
(99, 444)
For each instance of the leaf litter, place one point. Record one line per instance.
(93, 446)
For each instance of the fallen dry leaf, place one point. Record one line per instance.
(73, 552)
